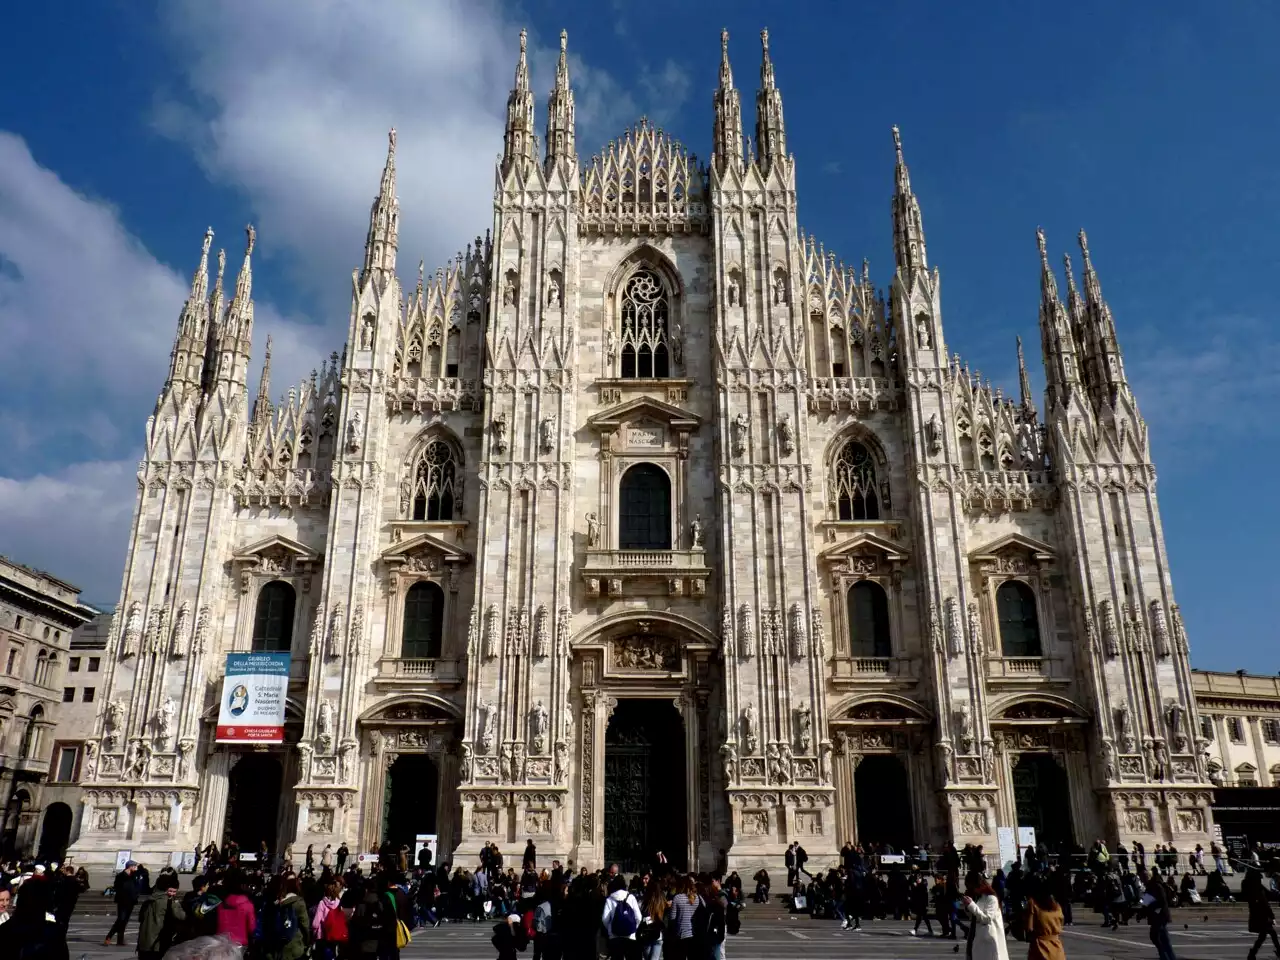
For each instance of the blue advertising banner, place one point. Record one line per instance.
(253, 696)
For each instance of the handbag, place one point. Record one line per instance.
(403, 936)
(800, 901)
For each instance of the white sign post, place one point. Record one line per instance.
(253, 697)
(1008, 846)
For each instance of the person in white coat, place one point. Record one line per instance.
(620, 920)
(983, 906)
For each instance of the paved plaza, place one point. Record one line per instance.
(768, 934)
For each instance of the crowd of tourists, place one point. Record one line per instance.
(335, 908)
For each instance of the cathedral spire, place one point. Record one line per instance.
(186, 362)
(560, 122)
(771, 136)
(262, 406)
(1057, 341)
(384, 219)
(1024, 381)
(727, 134)
(908, 226)
(517, 142)
(1101, 348)
(235, 333)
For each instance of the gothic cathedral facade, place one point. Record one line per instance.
(647, 525)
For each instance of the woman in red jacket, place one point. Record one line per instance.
(236, 917)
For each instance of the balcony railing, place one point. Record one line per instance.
(608, 571)
(646, 560)
(434, 669)
(1018, 667)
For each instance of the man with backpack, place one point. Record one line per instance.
(709, 922)
(621, 919)
(373, 927)
(286, 925)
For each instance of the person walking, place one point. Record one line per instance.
(343, 853)
(1262, 920)
(1043, 922)
(236, 918)
(918, 897)
(982, 905)
(620, 920)
(160, 918)
(1156, 903)
(789, 858)
(125, 891)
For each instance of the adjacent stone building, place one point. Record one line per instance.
(38, 613)
(648, 524)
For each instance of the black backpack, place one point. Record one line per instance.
(708, 924)
(733, 919)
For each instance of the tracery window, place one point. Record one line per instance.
(435, 482)
(273, 620)
(856, 497)
(868, 620)
(644, 312)
(423, 629)
(644, 514)
(1019, 624)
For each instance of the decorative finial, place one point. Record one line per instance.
(897, 142)
(391, 141)
(764, 40)
(222, 265)
(208, 241)
(564, 41)
(724, 42)
(422, 264)
(252, 236)
(1084, 246)
(524, 41)
(1044, 255)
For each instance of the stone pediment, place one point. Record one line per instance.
(278, 548)
(863, 553)
(645, 410)
(1014, 553)
(7, 706)
(424, 551)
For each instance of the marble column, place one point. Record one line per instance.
(213, 796)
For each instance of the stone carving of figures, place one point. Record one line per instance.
(366, 333)
(1159, 628)
(179, 632)
(353, 433)
(509, 290)
(491, 631)
(779, 290)
(1025, 453)
(141, 760)
(695, 531)
(499, 427)
(507, 762)
(774, 759)
(344, 760)
(568, 723)
(547, 433)
(542, 632)
(132, 631)
(798, 639)
(1159, 760)
(538, 723)
(749, 738)
(741, 424)
(922, 332)
(1176, 715)
(561, 761)
(324, 723)
(786, 436)
(553, 292)
(465, 763)
(112, 719)
(746, 636)
(487, 722)
(729, 757)
(824, 760)
(955, 632)
(804, 727)
(818, 630)
(1123, 733)
(1107, 753)
(164, 721)
(933, 434)
(1110, 638)
(89, 766)
(677, 342)
(304, 762)
(202, 631)
(1179, 631)
(732, 292)
(944, 761)
(334, 644)
(610, 345)
(186, 747)
(988, 761)
(964, 726)
(593, 530)
(975, 626)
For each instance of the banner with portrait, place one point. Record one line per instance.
(253, 698)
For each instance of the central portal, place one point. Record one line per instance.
(644, 785)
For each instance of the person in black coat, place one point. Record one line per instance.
(126, 897)
(530, 856)
(1262, 920)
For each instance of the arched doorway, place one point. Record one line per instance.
(882, 800)
(253, 801)
(55, 834)
(1041, 797)
(409, 800)
(644, 785)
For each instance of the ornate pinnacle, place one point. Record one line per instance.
(1044, 254)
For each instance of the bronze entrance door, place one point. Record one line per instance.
(644, 786)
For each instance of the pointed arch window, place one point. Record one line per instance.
(1019, 624)
(273, 620)
(868, 620)
(646, 351)
(644, 515)
(856, 496)
(435, 482)
(423, 632)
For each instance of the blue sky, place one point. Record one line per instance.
(129, 127)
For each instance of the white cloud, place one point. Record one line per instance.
(73, 522)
